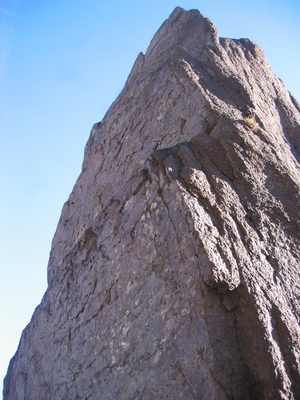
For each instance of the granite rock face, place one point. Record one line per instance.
(174, 270)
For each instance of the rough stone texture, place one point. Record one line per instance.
(174, 270)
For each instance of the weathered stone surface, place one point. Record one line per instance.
(174, 270)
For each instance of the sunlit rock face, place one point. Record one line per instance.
(174, 270)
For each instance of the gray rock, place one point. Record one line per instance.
(174, 270)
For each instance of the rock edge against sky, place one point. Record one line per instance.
(174, 270)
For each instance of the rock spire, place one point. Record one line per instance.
(174, 270)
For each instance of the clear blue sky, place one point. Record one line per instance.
(62, 63)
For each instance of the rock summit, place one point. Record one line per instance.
(174, 270)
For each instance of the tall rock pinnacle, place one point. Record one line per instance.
(174, 270)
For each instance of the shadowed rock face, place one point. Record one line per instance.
(174, 270)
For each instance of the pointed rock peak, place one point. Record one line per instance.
(189, 30)
(174, 270)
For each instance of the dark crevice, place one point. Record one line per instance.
(261, 380)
